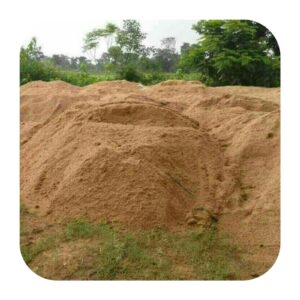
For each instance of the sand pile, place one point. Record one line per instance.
(174, 154)
(113, 156)
(245, 123)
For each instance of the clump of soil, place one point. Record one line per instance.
(175, 154)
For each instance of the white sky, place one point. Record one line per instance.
(67, 38)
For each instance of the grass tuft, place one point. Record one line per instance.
(78, 229)
(32, 251)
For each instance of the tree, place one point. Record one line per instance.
(234, 52)
(126, 55)
(127, 51)
(33, 51)
(130, 39)
(116, 55)
(103, 62)
(91, 43)
(169, 43)
(266, 35)
(74, 62)
(93, 38)
(109, 33)
(185, 47)
(61, 60)
(147, 62)
(166, 56)
(32, 64)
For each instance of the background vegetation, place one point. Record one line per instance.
(228, 52)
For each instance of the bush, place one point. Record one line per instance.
(130, 73)
(35, 70)
(153, 78)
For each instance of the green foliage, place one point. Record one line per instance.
(229, 52)
(116, 55)
(130, 37)
(166, 56)
(31, 65)
(130, 73)
(232, 52)
(85, 78)
(93, 38)
(33, 51)
(154, 77)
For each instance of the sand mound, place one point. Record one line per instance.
(128, 159)
(174, 154)
(95, 164)
(245, 122)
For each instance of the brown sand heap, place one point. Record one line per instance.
(132, 162)
(171, 154)
(245, 123)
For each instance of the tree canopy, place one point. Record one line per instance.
(234, 52)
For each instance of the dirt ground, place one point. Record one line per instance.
(177, 155)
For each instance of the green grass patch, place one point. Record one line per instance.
(153, 254)
(78, 229)
(124, 257)
(32, 251)
(209, 254)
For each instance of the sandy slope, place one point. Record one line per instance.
(175, 154)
